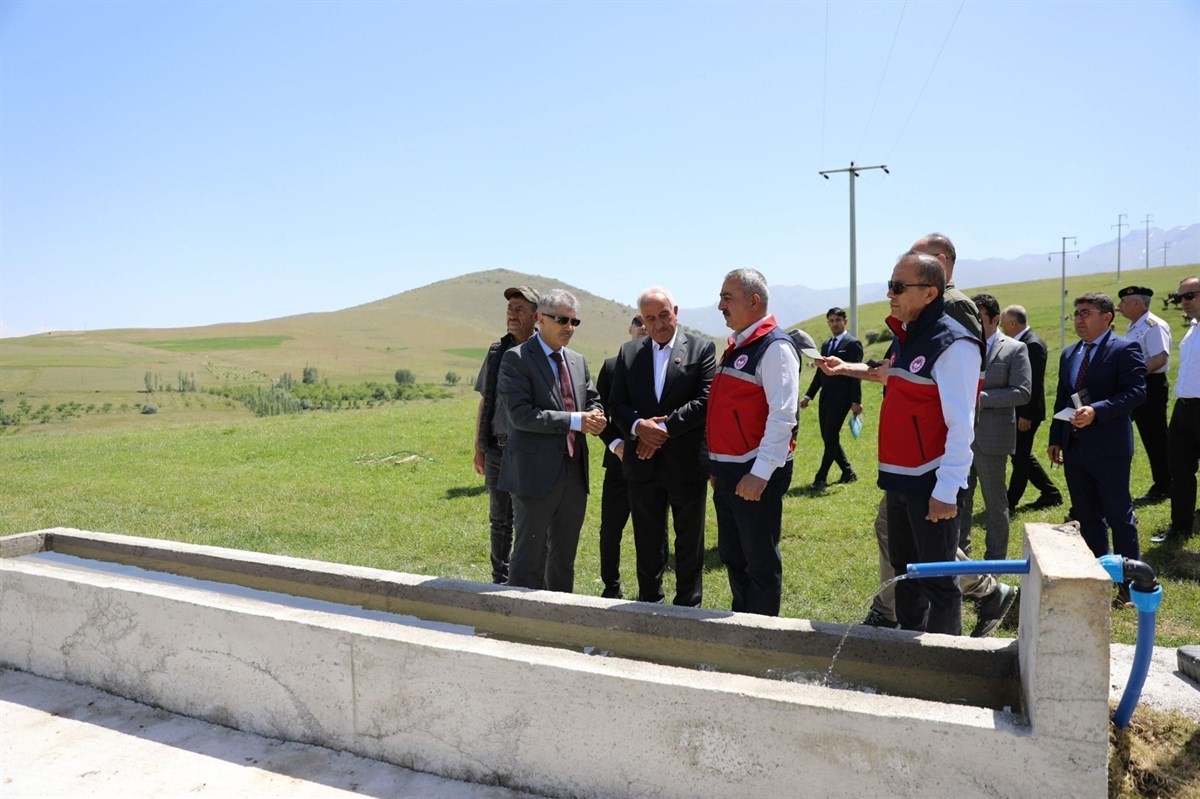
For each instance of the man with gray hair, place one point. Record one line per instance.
(750, 426)
(1153, 335)
(659, 395)
(552, 402)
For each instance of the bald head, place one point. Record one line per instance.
(939, 247)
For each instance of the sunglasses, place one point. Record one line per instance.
(1189, 296)
(563, 320)
(898, 287)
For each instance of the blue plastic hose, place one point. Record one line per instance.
(950, 568)
(1145, 592)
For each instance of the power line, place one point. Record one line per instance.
(927, 77)
(1165, 246)
(879, 90)
(853, 171)
(824, 81)
(1062, 343)
(1120, 224)
(1149, 219)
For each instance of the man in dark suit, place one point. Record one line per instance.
(1026, 467)
(842, 395)
(659, 398)
(614, 498)
(551, 404)
(1102, 378)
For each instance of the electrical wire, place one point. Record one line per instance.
(926, 83)
(879, 90)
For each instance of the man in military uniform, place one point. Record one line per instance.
(1154, 337)
(491, 424)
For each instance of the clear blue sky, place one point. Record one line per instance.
(183, 163)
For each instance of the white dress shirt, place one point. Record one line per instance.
(779, 371)
(1187, 382)
(1154, 339)
(956, 372)
(577, 415)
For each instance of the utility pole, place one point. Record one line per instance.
(1120, 224)
(1062, 341)
(853, 170)
(1148, 221)
(1166, 245)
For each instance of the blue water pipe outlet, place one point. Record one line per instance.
(1144, 591)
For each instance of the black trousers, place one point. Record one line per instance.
(614, 513)
(1026, 468)
(748, 542)
(1151, 420)
(831, 415)
(1185, 458)
(687, 501)
(930, 604)
(500, 515)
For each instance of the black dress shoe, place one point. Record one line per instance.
(1154, 495)
(848, 476)
(1046, 501)
(612, 592)
(819, 484)
(1171, 535)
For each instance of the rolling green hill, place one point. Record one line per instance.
(443, 327)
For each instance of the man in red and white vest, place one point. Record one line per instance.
(926, 426)
(750, 425)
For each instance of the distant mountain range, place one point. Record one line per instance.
(790, 303)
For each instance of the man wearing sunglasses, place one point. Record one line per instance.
(552, 403)
(1184, 447)
(1102, 378)
(926, 426)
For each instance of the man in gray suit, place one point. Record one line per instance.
(1007, 383)
(552, 402)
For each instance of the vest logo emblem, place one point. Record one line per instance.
(917, 363)
(740, 361)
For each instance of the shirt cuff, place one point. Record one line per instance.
(577, 420)
(612, 447)
(762, 469)
(944, 492)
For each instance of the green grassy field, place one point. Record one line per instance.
(308, 485)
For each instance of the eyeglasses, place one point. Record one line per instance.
(898, 286)
(1191, 295)
(562, 320)
(1084, 313)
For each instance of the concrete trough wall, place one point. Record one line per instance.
(542, 719)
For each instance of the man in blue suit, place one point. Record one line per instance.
(1103, 378)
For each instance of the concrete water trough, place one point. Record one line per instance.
(569, 695)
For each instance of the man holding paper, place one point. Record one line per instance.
(1100, 381)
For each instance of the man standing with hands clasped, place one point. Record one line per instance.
(659, 395)
(750, 427)
(1153, 335)
(926, 426)
(551, 403)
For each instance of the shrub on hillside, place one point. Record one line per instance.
(405, 377)
(148, 408)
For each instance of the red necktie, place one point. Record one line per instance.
(1083, 367)
(568, 394)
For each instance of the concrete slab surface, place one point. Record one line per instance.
(62, 740)
(59, 740)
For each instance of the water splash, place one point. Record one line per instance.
(870, 600)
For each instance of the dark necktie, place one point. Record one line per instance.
(568, 395)
(829, 347)
(1083, 367)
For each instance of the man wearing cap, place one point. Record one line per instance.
(1154, 337)
(659, 397)
(842, 396)
(552, 406)
(614, 497)
(1185, 422)
(491, 424)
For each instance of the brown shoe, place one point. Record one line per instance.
(1122, 601)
